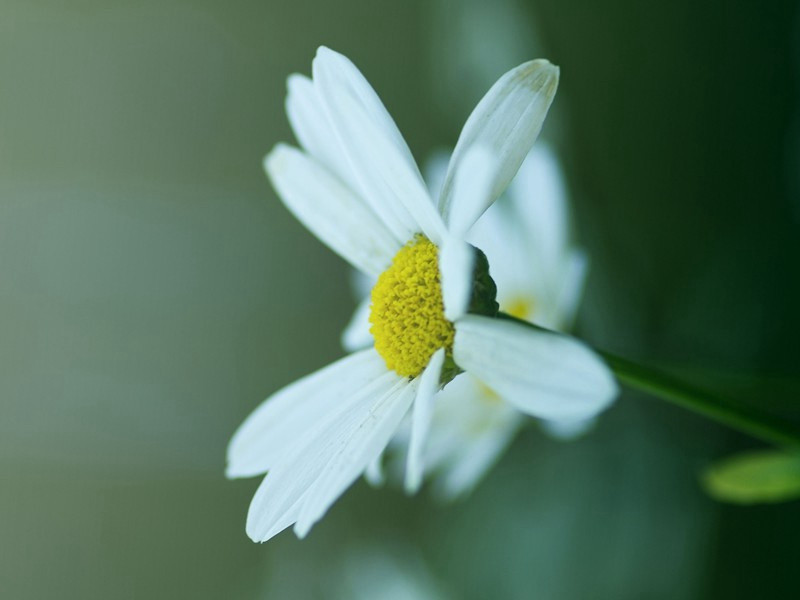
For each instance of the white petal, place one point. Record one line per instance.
(546, 375)
(498, 234)
(331, 211)
(421, 420)
(539, 200)
(474, 461)
(471, 428)
(374, 473)
(507, 121)
(378, 156)
(472, 188)
(356, 335)
(288, 487)
(568, 429)
(568, 295)
(313, 131)
(361, 284)
(456, 264)
(435, 170)
(349, 456)
(275, 425)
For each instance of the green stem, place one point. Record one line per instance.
(662, 385)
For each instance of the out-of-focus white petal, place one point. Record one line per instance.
(386, 171)
(471, 428)
(361, 284)
(435, 169)
(421, 420)
(356, 335)
(310, 124)
(539, 200)
(323, 204)
(568, 295)
(507, 121)
(374, 473)
(357, 444)
(472, 464)
(271, 429)
(472, 189)
(568, 429)
(456, 263)
(546, 375)
(289, 485)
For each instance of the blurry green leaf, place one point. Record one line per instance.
(755, 477)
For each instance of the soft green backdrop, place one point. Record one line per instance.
(153, 291)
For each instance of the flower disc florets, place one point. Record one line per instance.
(407, 313)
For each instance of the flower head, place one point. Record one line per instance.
(539, 275)
(356, 186)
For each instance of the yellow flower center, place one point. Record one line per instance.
(407, 312)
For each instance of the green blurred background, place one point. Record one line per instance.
(153, 291)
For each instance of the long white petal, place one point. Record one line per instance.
(456, 263)
(310, 124)
(356, 335)
(351, 454)
(288, 487)
(331, 211)
(472, 188)
(421, 420)
(546, 375)
(380, 159)
(507, 120)
(271, 429)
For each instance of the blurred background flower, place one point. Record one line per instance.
(146, 307)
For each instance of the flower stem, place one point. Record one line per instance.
(657, 383)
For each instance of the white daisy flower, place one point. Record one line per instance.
(539, 276)
(355, 185)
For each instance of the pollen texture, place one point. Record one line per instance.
(407, 313)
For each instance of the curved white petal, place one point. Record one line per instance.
(456, 263)
(546, 375)
(507, 120)
(329, 210)
(313, 131)
(289, 486)
(350, 454)
(472, 188)
(272, 429)
(356, 335)
(380, 159)
(421, 420)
